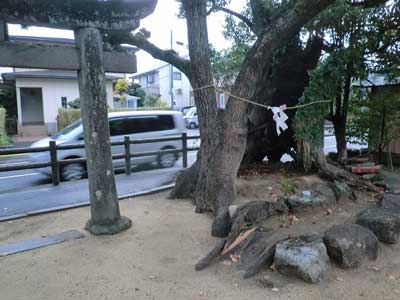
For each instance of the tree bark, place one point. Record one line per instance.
(105, 213)
(340, 117)
(284, 85)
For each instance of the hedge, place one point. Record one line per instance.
(68, 116)
(4, 139)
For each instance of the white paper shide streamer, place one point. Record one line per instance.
(280, 118)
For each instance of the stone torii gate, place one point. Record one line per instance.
(91, 20)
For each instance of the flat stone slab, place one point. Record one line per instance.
(41, 242)
(384, 223)
(304, 257)
(350, 244)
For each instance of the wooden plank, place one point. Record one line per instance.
(41, 242)
(59, 57)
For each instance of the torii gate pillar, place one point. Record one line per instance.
(106, 218)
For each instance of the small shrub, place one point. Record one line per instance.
(4, 139)
(287, 187)
(67, 116)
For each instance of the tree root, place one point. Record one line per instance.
(211, 256)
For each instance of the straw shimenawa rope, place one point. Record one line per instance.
(255, 103)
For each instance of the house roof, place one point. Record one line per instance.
(51, 74)
(376, 79)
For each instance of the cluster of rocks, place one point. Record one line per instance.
(308, 257)
(349, 245)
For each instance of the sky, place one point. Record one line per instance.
(160, 23)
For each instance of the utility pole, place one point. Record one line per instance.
(171, 86)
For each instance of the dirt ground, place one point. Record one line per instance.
(155, 259)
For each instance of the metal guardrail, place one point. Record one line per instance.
(55, 164)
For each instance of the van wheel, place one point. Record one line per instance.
(167, 160)
(72, 172)
(192, 125)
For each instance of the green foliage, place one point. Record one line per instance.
(75, 104)
(138, 92)
(67, 116)
(376, 118)
(309, 120)
(4, 139)
(122, 87)
(287, 187)
(8, 100)
(152, 101)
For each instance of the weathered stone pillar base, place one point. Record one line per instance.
(123, 223)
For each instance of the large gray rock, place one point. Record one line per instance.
(319, 196)
(348, 245)
(384, 223)
(304, 257)
(391, 202)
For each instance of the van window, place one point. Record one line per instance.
(140, 124)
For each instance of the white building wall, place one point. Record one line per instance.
(162, 83)
(52, 91)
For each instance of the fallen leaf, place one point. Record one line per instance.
(292, 219)
(203, 294)
(339, 278)
(376, 269)
(234, 257)
(275, 289)
(329, 212)
(227, 262)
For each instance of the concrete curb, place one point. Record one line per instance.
(83, 204)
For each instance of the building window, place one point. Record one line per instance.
(222, 101)
(177, 76)
(151, 78)
(64, 103)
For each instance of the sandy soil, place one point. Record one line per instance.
(155, 259)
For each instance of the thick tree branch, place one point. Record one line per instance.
(140, 40)
(241, 17)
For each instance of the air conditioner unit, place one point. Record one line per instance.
(179, 91)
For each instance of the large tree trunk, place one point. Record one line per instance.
(210, 123)
(284, 85)
(224, 136)
(340, 117)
